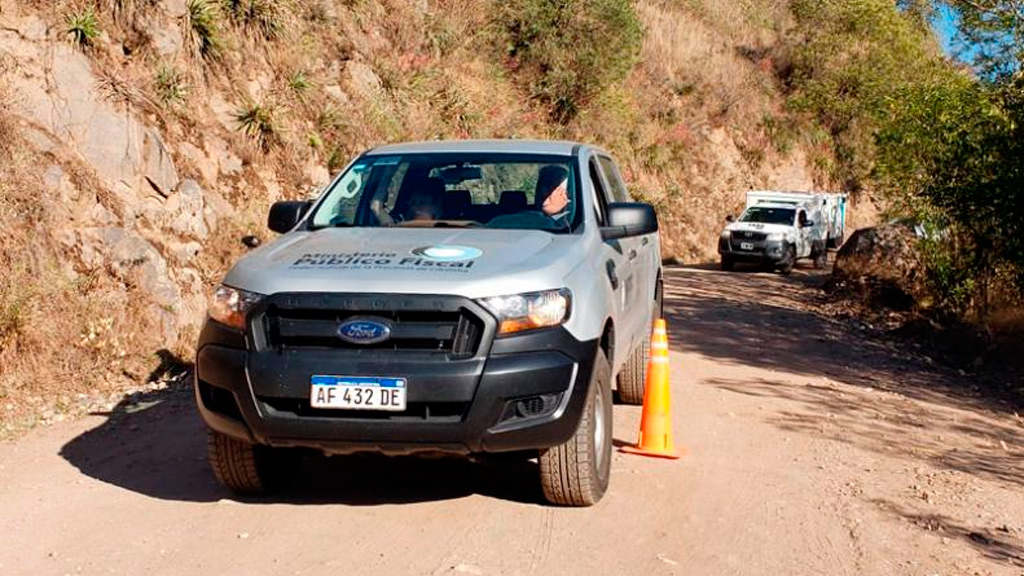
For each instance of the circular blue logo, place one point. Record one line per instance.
(448, 253)
(364, 330)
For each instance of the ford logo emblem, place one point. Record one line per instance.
(364, 330)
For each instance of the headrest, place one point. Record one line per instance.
(513, 200)
(460, 198)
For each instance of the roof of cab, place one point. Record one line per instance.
(554, 147)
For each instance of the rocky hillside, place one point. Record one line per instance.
(141, 139)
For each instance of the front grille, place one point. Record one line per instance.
(432, 412)
(455, 332)
(739, 237)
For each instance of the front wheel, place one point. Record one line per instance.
(727, 264)
(576, 473)
(246, 468)
(786, 264)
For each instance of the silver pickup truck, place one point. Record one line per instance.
(457, 297)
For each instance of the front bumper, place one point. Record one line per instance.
(463, 406)
(763, 251)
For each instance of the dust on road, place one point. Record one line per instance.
(811, 449)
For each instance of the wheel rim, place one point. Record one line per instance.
(599, 435)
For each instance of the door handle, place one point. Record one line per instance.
(613, 278)
(632, 254)
(645, 242)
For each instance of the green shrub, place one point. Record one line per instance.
(171, 86)
(299, 82)
(257, 122)
(82, 27)
(203, 27)
(336, 159)
(568, 51)
(262, 18)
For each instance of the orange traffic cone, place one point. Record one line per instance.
(656, 423)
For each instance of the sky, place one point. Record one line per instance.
(945, 24)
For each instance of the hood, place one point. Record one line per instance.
(759, 227)
(473, 263)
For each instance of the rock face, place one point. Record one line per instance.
(884, 259)
(60, 94)
(136, 215)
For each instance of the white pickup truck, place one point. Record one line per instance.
(778, 228)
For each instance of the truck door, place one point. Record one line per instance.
(645, 264)
(804, 236)
(621, 271)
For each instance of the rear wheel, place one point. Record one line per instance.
(246, 468)
(634, 374)
(576, 473)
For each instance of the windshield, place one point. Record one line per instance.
(490, 190)
(769, 215)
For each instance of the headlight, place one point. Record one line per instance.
(229, 306)
(529, 311)
(726, 234)
(776, 236)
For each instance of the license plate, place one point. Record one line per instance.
(357, 393)
(746, 245)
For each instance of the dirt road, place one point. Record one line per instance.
(811, 450)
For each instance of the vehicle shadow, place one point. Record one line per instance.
(154, 443)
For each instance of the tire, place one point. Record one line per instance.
(633, 375)
(248, 469)
(659, 298)
(821, 259)
(576, 473)
(727, 264)
(786, 264)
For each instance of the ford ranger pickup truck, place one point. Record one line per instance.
(464, 297)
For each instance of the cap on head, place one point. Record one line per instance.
(547, 180)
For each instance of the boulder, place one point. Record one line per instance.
(167, 42)
(883, 260)
(184, 210)
(362, 80)
(158, 164)
(175, 8)
(217, 209)
(134, 260)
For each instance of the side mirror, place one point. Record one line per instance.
(626, 219)
(285, 215)
(730, 218)
(809, 224)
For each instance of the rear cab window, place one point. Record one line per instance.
(614, 180)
